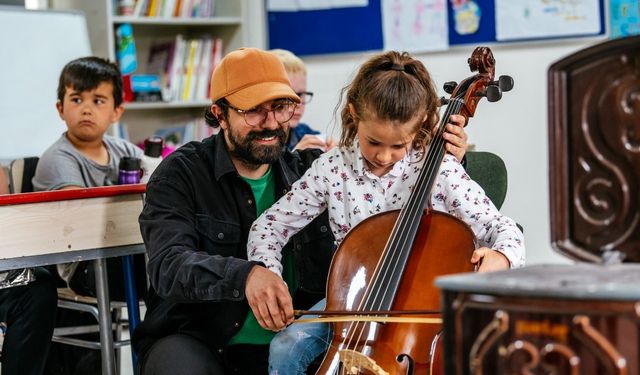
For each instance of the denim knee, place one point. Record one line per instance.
(282, 345)
(292, 350)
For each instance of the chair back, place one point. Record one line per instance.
(21, 172)
(490, 172)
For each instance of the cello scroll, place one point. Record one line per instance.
(480, 85)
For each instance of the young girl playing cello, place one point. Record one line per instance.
(390, 113)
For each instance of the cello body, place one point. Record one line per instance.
(443, 245)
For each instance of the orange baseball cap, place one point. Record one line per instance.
(248, 77)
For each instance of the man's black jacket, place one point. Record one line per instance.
(195, 224)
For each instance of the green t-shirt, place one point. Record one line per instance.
(264, 193)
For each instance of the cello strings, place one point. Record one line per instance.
(430, 164)
(420, 200)
(415, 204)
(417, 201)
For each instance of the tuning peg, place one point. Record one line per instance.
(443, 101)
(450, 86)
(504, 82)
(493, 93)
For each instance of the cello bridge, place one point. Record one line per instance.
(354, 362)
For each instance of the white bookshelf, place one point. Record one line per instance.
(237, 22)
(160, 21)
(143, 106)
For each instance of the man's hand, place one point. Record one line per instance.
(269, 299)
(313, 141)
(489, 260)
(456, 137)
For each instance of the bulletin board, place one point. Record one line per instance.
(315, 32)
(325, 31)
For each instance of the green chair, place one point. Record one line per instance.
(490, 172)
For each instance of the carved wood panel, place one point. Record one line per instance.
(594, 160)
(533, 336)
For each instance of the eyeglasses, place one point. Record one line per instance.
(282, 111)
(305, 96)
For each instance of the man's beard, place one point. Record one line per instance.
(251, 154)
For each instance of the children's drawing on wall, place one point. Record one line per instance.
(546, 18)
(625, 18)
(415, 26)
(466, 16)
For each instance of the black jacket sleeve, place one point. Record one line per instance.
(178, 271)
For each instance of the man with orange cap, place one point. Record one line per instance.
(200, 204)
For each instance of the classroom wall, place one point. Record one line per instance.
(514, 128)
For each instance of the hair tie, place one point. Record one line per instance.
(397, 67)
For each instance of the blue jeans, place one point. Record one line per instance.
(293, 349)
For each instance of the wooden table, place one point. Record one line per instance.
(62, 226)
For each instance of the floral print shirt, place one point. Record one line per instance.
(340, 182)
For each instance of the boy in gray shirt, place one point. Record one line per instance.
(89, 101)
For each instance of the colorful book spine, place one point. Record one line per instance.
(192, 48)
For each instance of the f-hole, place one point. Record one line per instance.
(402, 357)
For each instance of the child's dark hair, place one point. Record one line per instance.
(211, 119)
(87, 73)
(391, 86)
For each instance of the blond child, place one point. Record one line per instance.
(301, 135)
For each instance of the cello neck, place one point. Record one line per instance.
(435, 154)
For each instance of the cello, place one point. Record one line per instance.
(386, 265)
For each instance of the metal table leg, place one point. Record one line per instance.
(106, 336)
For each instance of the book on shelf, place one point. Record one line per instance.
(153, 8)
(140, 8)
(184, 66)
(168, 8)
(188, 90)
(183, 71)
(174, 69)
(184, 11)
(174, 8)
(216, 56)
(159, 63)
(202, 75)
